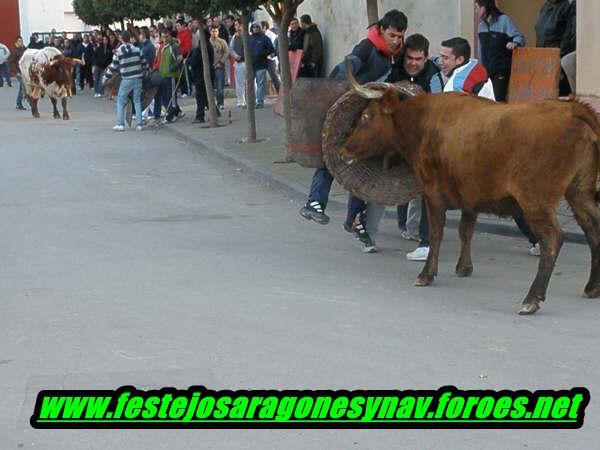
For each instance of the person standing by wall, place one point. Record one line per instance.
(312, 58)
(236, 51)
(498, 37)
(221, 53)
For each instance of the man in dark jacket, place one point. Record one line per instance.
(260, 48)
(552, 23)
(87, 48)
(196, 66)
(371, 60)
(312, 58)
(568, 48)
(295, 36)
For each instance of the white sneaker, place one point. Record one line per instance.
(184, 96)
(139, 128)
(97, 95)
(119, 128)
(370, 248)
(535, 250)
(420, 254)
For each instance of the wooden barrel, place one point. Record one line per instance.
(311, 99)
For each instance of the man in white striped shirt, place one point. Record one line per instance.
(130, 63)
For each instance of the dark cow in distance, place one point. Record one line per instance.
(47, 71)
(480, 156)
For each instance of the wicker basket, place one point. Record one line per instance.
(368, 179)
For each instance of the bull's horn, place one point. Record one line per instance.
(364, 92)
(79, 61)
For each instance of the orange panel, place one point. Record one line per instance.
(534, 75)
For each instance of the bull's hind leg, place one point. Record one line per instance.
(436, 212)
(64, 108)
(587, 215)
(55, 112)
(545, 225)
(464, 268)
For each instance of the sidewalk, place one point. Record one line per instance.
(265, 161)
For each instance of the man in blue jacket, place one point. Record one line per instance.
(260, 47)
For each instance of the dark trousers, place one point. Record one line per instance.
(163, 97)
(500, 82)
(355, 206)
(201, 99)
(524, 227)
(86, 76)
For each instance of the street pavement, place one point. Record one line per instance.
(140, 259)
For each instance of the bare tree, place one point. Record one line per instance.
(282, 12)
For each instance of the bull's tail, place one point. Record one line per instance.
(585, 113)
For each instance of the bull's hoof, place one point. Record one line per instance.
(66, 117)
(464, 271)
(36, 115)
(56, 116)
(424, 280)
(530, 308)
(591, 292)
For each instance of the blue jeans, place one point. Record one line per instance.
(4, 74)
(320, 187)
(98, 72)
(261, 85)
(220, 85)
(20, 92)
(128, 85)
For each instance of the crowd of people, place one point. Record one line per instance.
(172, 51)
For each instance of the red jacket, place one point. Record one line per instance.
(185, 40)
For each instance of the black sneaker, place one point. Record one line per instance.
(360, 231)
(314, 211)
(349, 228)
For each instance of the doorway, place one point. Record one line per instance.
(9, 22)
(524, 14)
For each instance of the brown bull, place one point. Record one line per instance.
(483, 157)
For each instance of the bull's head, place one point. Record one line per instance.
(375, 133)
(60, 71)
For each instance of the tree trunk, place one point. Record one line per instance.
(286, 74)
(122, 24)
(372, 12)
(210, 93)
(250, 94)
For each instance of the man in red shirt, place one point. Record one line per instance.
(184, 36)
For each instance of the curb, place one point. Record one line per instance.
(298, 192)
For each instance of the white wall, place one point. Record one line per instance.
(43, 15)
(343, 22)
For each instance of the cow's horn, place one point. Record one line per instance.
(80, 61)
(356, 87)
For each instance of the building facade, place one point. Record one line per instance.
(343, 23)
(45, 15)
